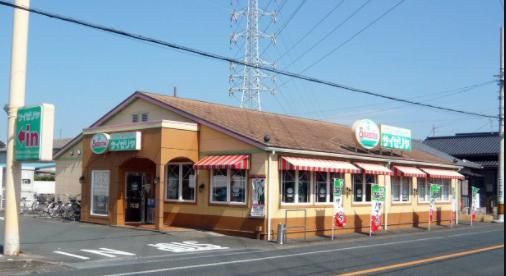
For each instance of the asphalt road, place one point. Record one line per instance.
(101, 250)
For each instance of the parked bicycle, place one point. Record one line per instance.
(72, 209)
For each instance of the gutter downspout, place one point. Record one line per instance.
(269, 195)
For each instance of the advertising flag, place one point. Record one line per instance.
(377, 200)
(475, 202)
(435, 193)
(340, 216)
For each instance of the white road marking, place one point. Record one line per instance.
(111, 253)
(71, 255)
(271, 257)
(186, 246)
(473, 233)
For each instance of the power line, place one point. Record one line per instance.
(294, 13)
(228, 60)
(383, 15)
(311, 30)
(327, 35)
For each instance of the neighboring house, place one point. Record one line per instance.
(480, 148)
(69, 169)
(29, 184)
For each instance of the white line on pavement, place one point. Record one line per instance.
(71, 255)
(470, 234)
(270, 257)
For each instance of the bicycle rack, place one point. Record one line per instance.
(297, 226)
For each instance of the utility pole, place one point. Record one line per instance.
(16, 100)
(500, 180)
(251, 81)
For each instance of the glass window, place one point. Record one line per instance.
(188, 182)
(173, 182)
(321, 186)
(303, 186)
(288, 182)
(362, 187)
(358, 188)
(401, 189)
(423, 190)
(144, 117)
(445, 188)
(396, 188)
(180, 182)
(229, 186)
(135, 118)
(219, 185)
(100, 192)
(238, 186)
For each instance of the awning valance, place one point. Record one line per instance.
(238, 162)
(317, 165)
(444, 174)
(408, 171)
(369, 168)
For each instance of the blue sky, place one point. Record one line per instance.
(422, 50)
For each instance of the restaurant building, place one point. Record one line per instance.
(166, 161)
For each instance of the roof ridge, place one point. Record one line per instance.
(148, 93)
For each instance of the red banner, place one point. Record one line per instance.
(376, 223)
(340, 219)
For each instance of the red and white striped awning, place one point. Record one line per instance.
(317, 165)
(238, 162)
(369, 168)
(444, 174)
(408, 171)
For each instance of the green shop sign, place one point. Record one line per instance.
(126, 141)
(395, 138)
(34, 133)
(435, 191)
(338, 187)
(378, 193)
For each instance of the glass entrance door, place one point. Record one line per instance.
(140, 198)
(134, 197)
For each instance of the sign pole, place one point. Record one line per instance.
(16, 100)
(500, 180)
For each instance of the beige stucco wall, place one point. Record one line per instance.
(155, 113)
(68, 172)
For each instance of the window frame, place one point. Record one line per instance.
(426, 184)
(364, 186)
(92, 186)
(229, 189)
(401, 189)
(135, 118)
(296, 189)
(144, 117)
(442, 182)
(180, 183)
(329, 187)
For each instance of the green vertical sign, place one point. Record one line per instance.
(28, 133)
(338, 187)
(378, 193)
(435, 191)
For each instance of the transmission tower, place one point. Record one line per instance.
(250, 82)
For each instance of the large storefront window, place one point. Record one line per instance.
(445, 188)
(180, 182)
(100, 181)
(288, 181)
(401, 189)
(228, 186)
(296, 186)
(362, 184)
(324, 186)
(423, 190)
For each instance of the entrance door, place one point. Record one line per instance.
(140, 201)
(134, 197)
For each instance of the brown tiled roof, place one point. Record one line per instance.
(285, 131)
